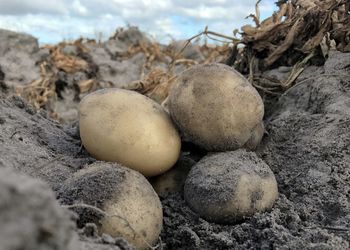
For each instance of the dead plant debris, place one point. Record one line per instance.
(297, 33)
(300, 32)
(41, 90)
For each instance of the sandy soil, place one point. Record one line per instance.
(306, 146)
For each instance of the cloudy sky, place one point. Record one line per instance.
(54, 20)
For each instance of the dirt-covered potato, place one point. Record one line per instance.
(215, 107)
(131, 129)
(131, 208)
(227, 187)
(173, 180)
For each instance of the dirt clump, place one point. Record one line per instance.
(38, 146)
(31, 217)
(19, 55)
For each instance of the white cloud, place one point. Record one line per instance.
(79, 8)
(19, 7)
(165, 28)
(70, 19)
(206, 12)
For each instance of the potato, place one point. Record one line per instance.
(215, 107)
(131, 207)
(173, 180)
(131, 129)
(256, 137)
(227, 187)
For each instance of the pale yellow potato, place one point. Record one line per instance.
(126, 127)
(228, 187)
(131, 208)
(173, 180)
(215, 107)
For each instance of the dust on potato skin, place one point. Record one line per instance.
(131, 206)
(226, 187)
(86, 187)
(215, 107)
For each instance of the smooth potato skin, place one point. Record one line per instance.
(126, 127)
(215, 107)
